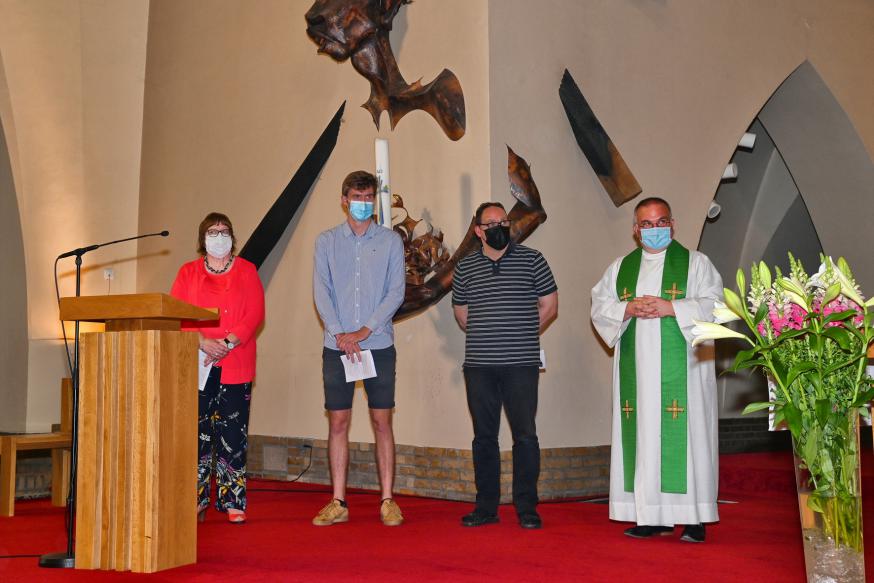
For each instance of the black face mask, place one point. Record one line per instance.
(498, 237)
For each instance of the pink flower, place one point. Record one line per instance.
(790, 317)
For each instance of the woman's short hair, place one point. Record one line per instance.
(208, 221)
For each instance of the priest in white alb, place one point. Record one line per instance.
(664, 455)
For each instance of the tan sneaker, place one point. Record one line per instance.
(390, 513)
(332, 513)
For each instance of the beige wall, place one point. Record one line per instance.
(74, 72)
(235, 99)
(235, 96)
(675, 85)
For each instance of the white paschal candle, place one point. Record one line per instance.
(384, 181)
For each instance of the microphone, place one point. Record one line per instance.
(83, 250)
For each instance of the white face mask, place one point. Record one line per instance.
(219, 246)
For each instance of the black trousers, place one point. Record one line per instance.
(515, 388)
(223, 437)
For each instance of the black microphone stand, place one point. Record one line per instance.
(67, 560)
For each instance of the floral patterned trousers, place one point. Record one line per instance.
(223, 429)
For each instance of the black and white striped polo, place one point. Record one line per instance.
(503, 323)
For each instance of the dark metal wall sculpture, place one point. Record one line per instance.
(596, 144)
(273, 225)
(526, 215)
(424, 253)
(358, 30)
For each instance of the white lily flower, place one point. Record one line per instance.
(704, 331)
(847, 288)
(723, 314)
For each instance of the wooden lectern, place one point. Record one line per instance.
(136, 483)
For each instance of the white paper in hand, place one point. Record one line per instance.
(202, 370)
(359, 369)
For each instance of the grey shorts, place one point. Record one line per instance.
(380, 389)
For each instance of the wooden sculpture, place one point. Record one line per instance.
(425, 257)
(596, 145)
(358, 30)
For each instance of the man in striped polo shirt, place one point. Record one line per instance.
(503, 296)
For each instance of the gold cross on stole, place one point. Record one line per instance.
(627, 409)
(675, 410)
(625, 295)
(674, 291)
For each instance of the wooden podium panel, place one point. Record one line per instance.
(137, 471)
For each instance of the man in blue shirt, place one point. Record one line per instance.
(358, 285)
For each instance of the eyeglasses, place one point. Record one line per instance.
(213, 233)
(662, 222)
(487, 226)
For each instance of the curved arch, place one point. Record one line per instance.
(807, 187)
(13, 308)
(826, 161)
(829, 163)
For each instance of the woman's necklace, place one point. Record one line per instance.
(218, 271)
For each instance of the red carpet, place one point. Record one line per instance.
(758, 539)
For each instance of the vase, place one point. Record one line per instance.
(831, 515)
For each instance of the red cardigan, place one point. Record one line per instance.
(239, 295)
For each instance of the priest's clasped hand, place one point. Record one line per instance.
(649, 307)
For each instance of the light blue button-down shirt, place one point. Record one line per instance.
(359, 281)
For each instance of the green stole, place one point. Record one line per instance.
(674, 362)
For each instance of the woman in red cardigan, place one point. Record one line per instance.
(220, 280)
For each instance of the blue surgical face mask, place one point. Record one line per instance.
(656, 237)
(360, 210)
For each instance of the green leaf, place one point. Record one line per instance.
(761, 313)
(744, 355)
(793, 418)
(839, 335)
(741, 282)
(815, 503)
(747, 364)
(753, 407)
(779, 417)
(864, 397)
(838, 316)
(788, 334)
(829, 370)
(823, 410)
(831, 293)
(827, 469)
(800, 368)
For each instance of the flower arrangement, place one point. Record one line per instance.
(810, 334)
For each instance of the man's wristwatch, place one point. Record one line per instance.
(230, 344)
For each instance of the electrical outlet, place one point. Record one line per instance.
(109, 273)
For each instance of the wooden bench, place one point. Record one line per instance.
(58, 442)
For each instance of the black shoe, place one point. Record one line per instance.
(693, 533)
(478, 518)
(648, 531)
(530, 519)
